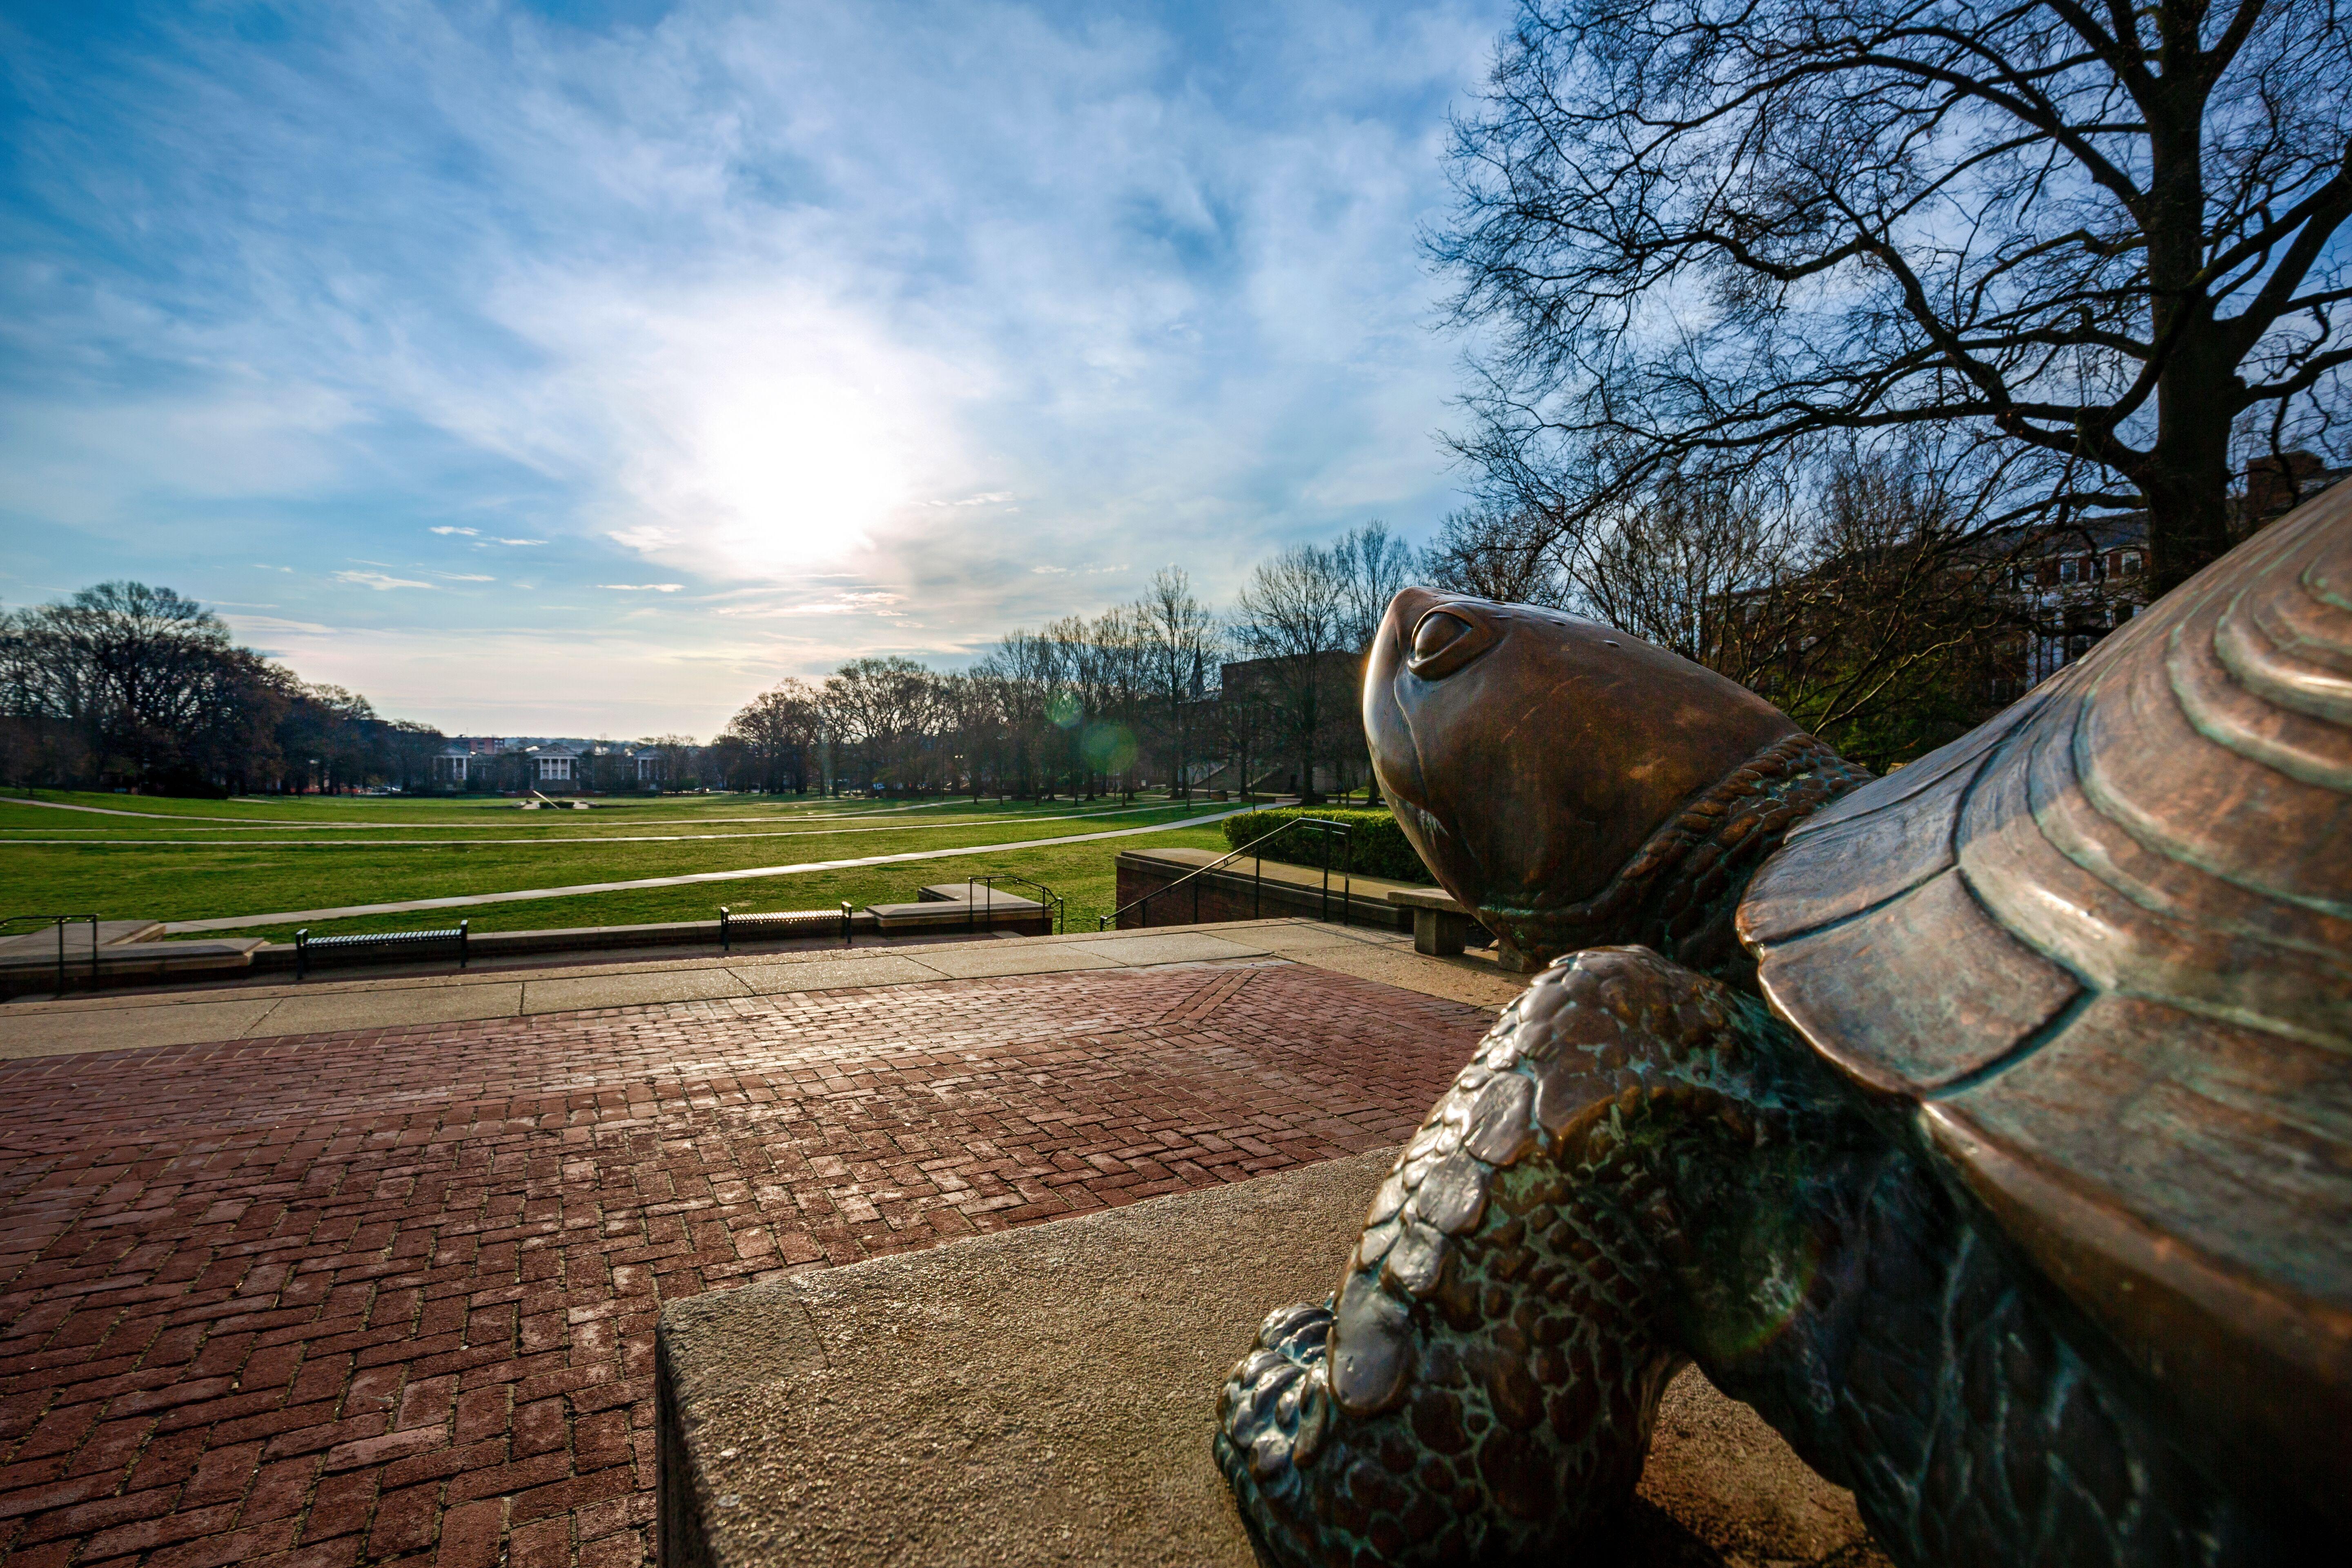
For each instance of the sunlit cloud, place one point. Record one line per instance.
(875, 601)
(379, 580)
(887, 320)
(994, 498)
(247, 624)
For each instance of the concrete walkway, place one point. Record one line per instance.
(387, 1296)
(255, 1012)
(295, 917)
(1041, 1396)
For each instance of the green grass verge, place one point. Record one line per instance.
(291, 870)
(1082, 874)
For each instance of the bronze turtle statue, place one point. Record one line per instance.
(1986, 1126)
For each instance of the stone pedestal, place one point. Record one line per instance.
(1441, 926)
(1046, 1396)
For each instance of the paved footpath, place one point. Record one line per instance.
(388, 1295)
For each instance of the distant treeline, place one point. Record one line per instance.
(1161, 692)
(129, 687)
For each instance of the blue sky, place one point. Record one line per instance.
(542, 368)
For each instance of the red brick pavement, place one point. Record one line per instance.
(389, 1296)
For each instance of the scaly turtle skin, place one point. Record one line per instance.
(2013, 1189)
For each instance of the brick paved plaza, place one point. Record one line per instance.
(389, 1295)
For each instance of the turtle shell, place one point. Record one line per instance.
(2104, 945)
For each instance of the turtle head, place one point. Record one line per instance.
(1532, 756)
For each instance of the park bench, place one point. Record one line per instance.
(305, 945)
(731, 924)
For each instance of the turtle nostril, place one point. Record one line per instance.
(1437, 631)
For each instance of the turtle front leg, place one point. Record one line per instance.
(1482, 1385)
(1640, 1168)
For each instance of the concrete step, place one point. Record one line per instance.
(130, 964)
(934, 914)
(1045, 1396)
(975, 892)
(110, 933)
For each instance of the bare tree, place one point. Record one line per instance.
(1372, 564)
(1026, 670)
(1180, 645)
(1292, 614)
(882, 708)
(2099, 238)
(1876, 626)
(676, 755)
(125, 683)
(776, 734)
(1501, 552)
(1658, 566)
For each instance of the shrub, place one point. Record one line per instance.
(1379, 847)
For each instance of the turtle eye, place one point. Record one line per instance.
(1438, 630)
(1443, 641)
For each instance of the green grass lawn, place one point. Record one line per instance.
(210, 860)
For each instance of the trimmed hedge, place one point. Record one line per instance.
(1379, 847)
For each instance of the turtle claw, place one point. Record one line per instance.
(1275, 1419)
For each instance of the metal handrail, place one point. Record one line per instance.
(1257, 888)
(60, 921)
(1047, 898)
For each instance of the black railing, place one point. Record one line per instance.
(1047, 899)
(729, 923)
(1323, 827)
(61, 921)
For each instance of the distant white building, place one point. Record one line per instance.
(554, 767)
(465, 761)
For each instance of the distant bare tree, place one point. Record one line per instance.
(776, 734)
(1509, 554)
(1372, 564)
(141, 686)
(1026, 671)
(1294, 613)
(675, 762)
(1182, 644)
(882, 709)
(2097, 238)
(1874, 625)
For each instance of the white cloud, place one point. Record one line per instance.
(844, 603)
(993, 498)
(379, 580)
(644, 539)
(949, 298)
(464, 577)
(644, 588)
(273, 624)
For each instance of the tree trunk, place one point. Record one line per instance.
(2186, 483)
(2186, 476)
